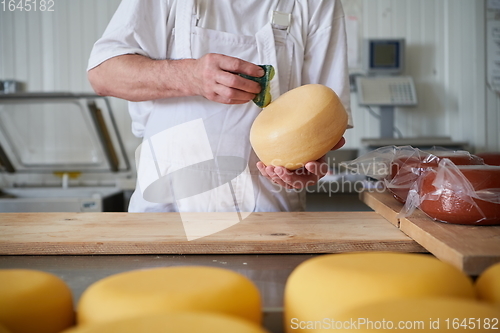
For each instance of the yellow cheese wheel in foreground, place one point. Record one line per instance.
(163, 290)
(300, 126)
(488, 285)
(3, 329)
(415, 315)
(328, 285)
(34, 301)
(180, 322)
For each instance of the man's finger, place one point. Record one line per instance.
(317, 168)
(339, 144)
(232, 96)
(289, 179)
(275, 178)
(237, 82)
(239, 66)
(262, 168)
(294, 180)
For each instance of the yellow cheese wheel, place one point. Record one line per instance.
(180, 322)
(415, 315)
(3, 329)
(34, 301)
(488, 285)
(331, 284)
(300, 126)
(162, 290)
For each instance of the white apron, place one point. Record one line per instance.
(196, 155)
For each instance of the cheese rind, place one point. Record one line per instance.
(300, 126)
(331, 284)
(179, 322)
(163, 290)
(34, 301)
(488, 285)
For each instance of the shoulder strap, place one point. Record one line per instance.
(285, 6)
(281, 17)
(184, 15)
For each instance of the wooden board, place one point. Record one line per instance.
(163, 233)
(470, 248)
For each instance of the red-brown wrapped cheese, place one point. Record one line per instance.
(406, 170)
(461, 194)
(490, 158)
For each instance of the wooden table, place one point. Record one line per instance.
(470, 248)
(163, 233)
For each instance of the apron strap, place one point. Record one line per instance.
(184, 16)
(281, 17)
(285, 6)
(280, 20)
(267, 55)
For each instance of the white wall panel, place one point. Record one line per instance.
(445, 44)
(446, 56)
(493, 120)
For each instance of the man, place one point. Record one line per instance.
(178, 63)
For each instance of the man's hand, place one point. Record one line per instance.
(300, 178)
(215, 76)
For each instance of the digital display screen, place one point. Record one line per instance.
(384, 55)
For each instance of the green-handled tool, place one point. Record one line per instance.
(264, 97)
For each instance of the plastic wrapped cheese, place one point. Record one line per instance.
(488, 285)
(416, 315)
(490, 158)
(449, 186)
(163, 290)
(400, 167)
(458, 194)
(34, 301)
(179, 322)
(406, 171)
(328, 285)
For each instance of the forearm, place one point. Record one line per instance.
(137, 78)
(213, 76)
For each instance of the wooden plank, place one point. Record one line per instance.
(470, 248)
(163, 233)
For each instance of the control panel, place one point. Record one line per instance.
(386, 91)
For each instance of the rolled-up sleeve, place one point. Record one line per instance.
(137, 27)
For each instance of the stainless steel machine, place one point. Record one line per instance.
(60, 152)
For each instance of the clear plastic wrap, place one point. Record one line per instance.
(400, 167)
(457, 194)
(449, 186)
